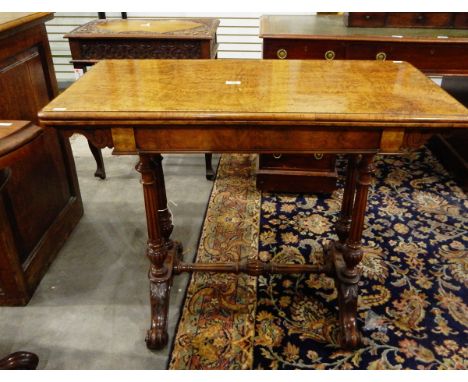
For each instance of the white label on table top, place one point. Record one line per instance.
(397, 62)
(436, 79)
(145, 25)
(59, 109)
(397, 36)
(442, 36)
(78, 73)
(6, 124)
(233, 82)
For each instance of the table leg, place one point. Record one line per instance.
(165, 216)
(348, 253)
(210, 175)
(343, 224)
(97, 154)
(161, 259)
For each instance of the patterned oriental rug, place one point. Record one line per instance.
(413, 294)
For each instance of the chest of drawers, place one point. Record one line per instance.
(439, 52)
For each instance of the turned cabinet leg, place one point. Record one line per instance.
(97, 154)
(347, 274)
(160, 272)
(210, 175)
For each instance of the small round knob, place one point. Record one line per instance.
(282, 54)
(318, 156)
(381, 56)
(329, 55)
(367, 17)
(420, 18)
(277, 156)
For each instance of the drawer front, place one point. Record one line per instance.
(297, 162)
(296, 183)
(303, 49)
(365, 19)
(427, 57)
(419, 19)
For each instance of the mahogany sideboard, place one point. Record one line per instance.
(255, 106)
(143, 39)
(438, 52)
(40, 200)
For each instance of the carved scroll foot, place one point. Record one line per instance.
(20, 360)
(160, 288)
(210, 174)
(157, 337)
(350, 336)
(348, 291)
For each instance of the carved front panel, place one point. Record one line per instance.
(161, 49)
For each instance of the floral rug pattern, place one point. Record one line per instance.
(413, 296)
(413, 301)
(216, 329)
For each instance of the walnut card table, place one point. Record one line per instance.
(357, 108)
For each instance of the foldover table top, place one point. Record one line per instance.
(309, 92)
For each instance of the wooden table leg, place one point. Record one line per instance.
(165, 216)
(21, 360)
(210, 175)
(347, 253)
(97, 154)
(161, 259)
(343, 224)
(348, 276)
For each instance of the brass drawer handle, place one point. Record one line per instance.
(318, 156)
(277, 156)
(381, 56)
(329, 55)
(282, 54)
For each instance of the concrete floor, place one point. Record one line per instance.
(91, 310)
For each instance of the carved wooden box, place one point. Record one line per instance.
(142, 38)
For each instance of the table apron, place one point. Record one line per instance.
(244, 139)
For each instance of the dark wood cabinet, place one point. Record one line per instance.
(39, 196)
(440, 52)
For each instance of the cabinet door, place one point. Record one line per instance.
(38, 189)
(23, 84)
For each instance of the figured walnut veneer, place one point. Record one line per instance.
(355, 107)
(310, 93)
